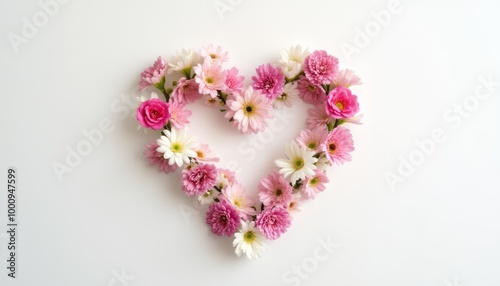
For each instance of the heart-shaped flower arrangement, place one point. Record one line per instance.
(314, 77)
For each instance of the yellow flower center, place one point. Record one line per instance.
(312, 145)
(176, 148)
(314, 181)
(200, 154)
(249, 110)
(298, 163)
(209, 80)
(339, 105)
(249, 236)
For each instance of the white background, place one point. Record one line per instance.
(114, 213)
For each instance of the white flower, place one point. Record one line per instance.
(300, 162)
(249, 240)
(323, 163)
(208, 197)
(184, 60)
(211, 53)
(289, 95)
(177, 146)
(292, 60)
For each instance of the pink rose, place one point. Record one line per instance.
(341, 103)
(153, 114)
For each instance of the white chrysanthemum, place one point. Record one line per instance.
(249, 240)
(289, 95)
(208, 197)
(300, 162)
(323, 163)
(184, 60)
(292, 60)
(177, 146)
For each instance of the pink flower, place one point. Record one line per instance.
(156, 158)
(210, 78)
(346, 78)
(273, 222)
(234, 82)
(225, 178)
(269, 81)
(320, 67)
(235, 195)
(315, 185)
(338, 145)
(310, 93)
(341, 103)
(198, 179)
(318, 118)
(186, 91)
(274, 190)
(223, 218)
(178, 115)
(312, 139)
(153, 74)
(205, 154)
(153, 113)
(249, 111)
(211, 53)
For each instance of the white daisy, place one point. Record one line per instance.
(289, 95)
(177, 146)
(300, 162)
(208, 197)
(292, 60)
(249, 240)
(184, 60)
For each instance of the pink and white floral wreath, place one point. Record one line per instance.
(314, 77)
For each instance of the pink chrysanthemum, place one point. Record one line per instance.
(234, 82)
(338, 145)
(341, 103)
(156, 158)
(274, 190)
(315, 185)
(312, 139)
(235, 195)
(320, 67)
(273, 222)
(198, 179)
(249, 111)
(223, 218)
(205, 154)
(346, 78)
(178, 115)
(153, 74)
(269, 81)
(211, 53)
(210, 78)
(318, 118)
(310, 93)
(186, 91)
